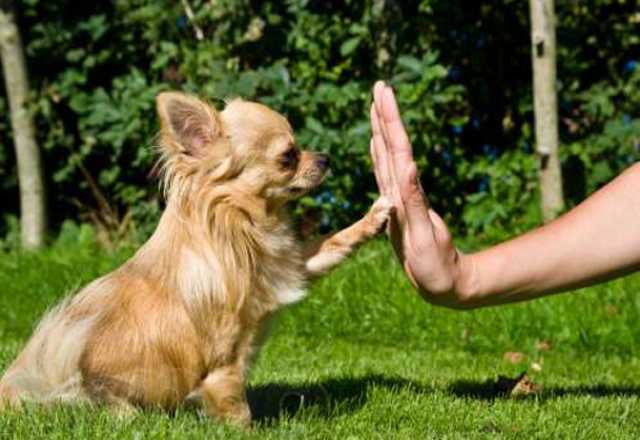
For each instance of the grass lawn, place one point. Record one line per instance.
(372, 360)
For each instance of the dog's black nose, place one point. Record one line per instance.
(323, 161)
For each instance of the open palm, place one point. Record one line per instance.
(419, 236)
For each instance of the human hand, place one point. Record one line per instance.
(419, 236)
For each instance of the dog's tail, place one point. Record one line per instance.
(48, 368)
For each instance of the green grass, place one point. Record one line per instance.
(374, 361)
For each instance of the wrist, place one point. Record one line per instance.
(466, 283)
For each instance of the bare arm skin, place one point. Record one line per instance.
(596, 241)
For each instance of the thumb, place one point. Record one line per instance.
(416, 209)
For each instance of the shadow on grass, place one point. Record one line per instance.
(490, 391)
(272, 401)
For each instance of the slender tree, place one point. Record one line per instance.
(543, 38)
(32, 196)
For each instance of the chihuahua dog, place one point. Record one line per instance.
(184, 316)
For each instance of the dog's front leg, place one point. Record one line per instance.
(224, 396)
(324, 254)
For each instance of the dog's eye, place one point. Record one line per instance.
(290, 158)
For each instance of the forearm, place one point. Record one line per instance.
(597, 240)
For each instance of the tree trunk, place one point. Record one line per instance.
(543, 39)
(32, 196)
(383, 54)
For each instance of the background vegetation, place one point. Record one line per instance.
(462, 70)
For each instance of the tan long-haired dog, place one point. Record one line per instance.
(184, 315)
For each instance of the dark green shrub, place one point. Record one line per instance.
(461, 69)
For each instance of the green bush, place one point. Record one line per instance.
(461, 69)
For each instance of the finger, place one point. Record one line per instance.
(377, 128)
(397, 162)
(396, 168)
(382, 159)
(395, 236)
(416, 206)
(384, 164)
(384, 170)
(440, 229)
(378, 98)
(376, 168)
(399, 145)
(378, 93)
(383, 156)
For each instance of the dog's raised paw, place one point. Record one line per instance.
(379, 214)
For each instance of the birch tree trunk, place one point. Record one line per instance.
(383, 54)
(543, 39)
(32, 196)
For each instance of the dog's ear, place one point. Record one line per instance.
(189, 125)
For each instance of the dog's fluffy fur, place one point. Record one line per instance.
(185, 314)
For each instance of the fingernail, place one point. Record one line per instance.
(388, 91)
(391, 97)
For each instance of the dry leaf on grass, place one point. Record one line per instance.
(536, 366)
(515, 357)
(545, 345)
(611, 310)
(518, 387)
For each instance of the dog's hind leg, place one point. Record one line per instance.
(224, 396)
(9, 397)
(121, 408)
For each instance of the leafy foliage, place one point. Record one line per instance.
(461, 69)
